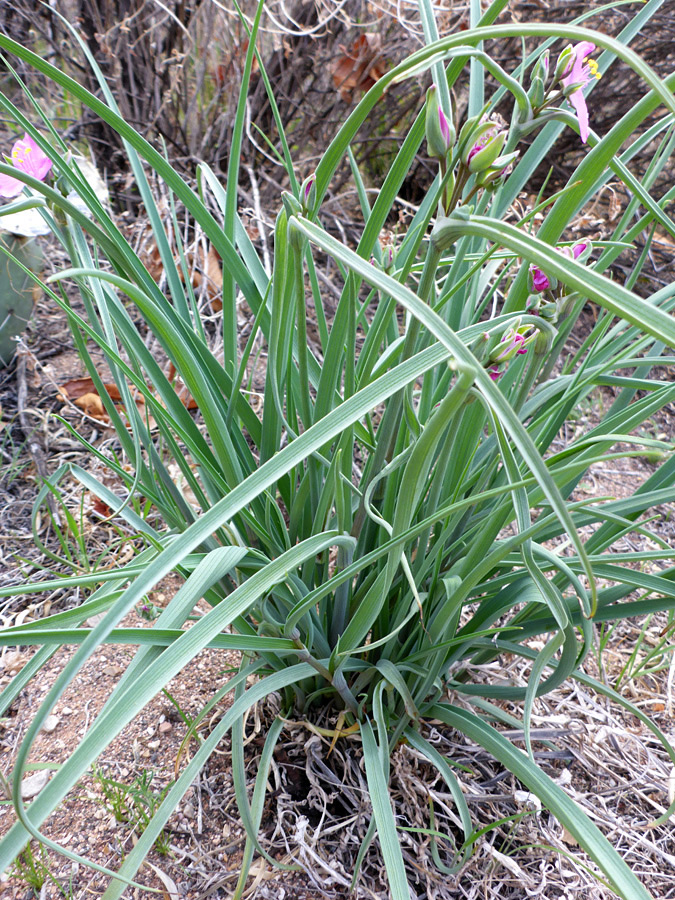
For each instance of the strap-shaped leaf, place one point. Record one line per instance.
(443, 333)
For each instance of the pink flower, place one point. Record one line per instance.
(27, 156)
(540, 281)
(575, 251)
(579, 71)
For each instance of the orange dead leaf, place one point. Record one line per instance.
(78, 387)
(92, 405)
(82, 393)
(360, 67)
(99, 507)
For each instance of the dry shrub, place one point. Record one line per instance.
(174, 69)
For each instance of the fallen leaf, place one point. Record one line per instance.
(568, 838)
(92, 405)
(203, 271)
(99, 507)
(13, 661)
(213, 276)
(229, 69)
(82, 393)
(360, 67)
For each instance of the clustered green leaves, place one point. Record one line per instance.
(385, 523)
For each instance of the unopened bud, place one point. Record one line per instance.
(543, 342)
(296, 239)
(476, 138)
(536, 93)
(549, 311)
(569, 89)
(479, 345)
(541, 67)
(565, 60)
(482, 156)
(581, 250)
(440, 131)
(292, 205)
(466, 134)
(499, 169)
(308, 194)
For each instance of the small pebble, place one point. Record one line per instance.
(66, 711)
(31, 786)
(50, 724)
(164, 727)
(112, 670)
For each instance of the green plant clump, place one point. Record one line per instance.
(379, 533)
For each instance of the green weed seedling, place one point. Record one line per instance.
(31, 867)
(649, 655)
(133, 804)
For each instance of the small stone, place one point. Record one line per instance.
(164, 727)
(66, 711)
(153, 745)
(31, 786)
(189, 810)
(93, 621)
(112, 670)
(13, 660)
(50, 724)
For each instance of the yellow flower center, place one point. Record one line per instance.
(593, 68)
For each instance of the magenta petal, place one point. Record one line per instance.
(540, 281)
(578, 249)
(10, 187)
(578, 101)
(445, 127)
